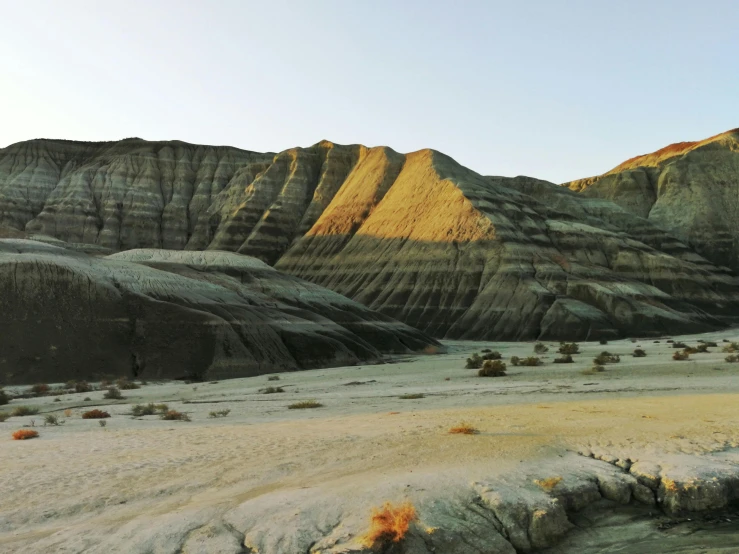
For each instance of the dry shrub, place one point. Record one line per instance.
(21, 411)
(731, 348)
(732, 358)
(540, 348)
(124, 384)
(606, 357)
(219, 413)
(679, 345)
(389, 524)
(68, 412)
(24, 434)
(463, 429)
(566, 359)
(82, 386)
(4, 416)
(492, 368)
(415, 396)
(40, 389)
(273, 378)
(549, 483)
(639, 353)
(569, 348)
(272, 390)
(530, 361)
(594, 370)
(680, 355)
(492, 355)
(95, 414)
(305, 405)
(174, 415)
(515, 360)
(149, 409)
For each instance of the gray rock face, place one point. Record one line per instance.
(162, 314)
(690, 189)
(416, 237)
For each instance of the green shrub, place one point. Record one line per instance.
(82, 386)
(219, 413)
(702, 348)
(566, 359)
(273, 378)
(679, 345)
(113, 394)
(639, 353)
(515, 360)
(4, 416)
(52, 420)
(474, 362)
(541, 348)
(4, 398)
(492, 368)
(413, 396)
(569, 348)
(494, 355)
(732, 358)
(272, 390)
(603, 341)
(530, 361)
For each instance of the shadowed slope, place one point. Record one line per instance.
(163, 314)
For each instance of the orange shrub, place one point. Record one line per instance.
(389, 524)
(24, 434)
(463, 429)
(95, 414)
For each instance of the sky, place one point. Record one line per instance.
(552, 89)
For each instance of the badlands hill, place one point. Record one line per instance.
(690, 189)
(155, 314)
(417, 237)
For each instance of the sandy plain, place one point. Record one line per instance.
(270, 479)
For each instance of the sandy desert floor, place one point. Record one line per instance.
(147, 485)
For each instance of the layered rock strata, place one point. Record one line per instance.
(416, 237)
(159, 314)
(690, 189)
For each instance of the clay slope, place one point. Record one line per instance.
(417, 237)
(164, 314)
(690, 189)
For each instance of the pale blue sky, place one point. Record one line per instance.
(553, 89)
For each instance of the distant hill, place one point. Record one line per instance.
(417, 236)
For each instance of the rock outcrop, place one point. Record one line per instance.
(161, 314)
(416, 237)
(690, 189)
